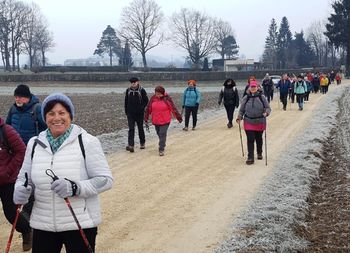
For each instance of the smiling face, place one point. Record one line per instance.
(58, 120)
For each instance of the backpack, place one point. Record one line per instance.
(248, 97)
(4, 140)
(81, 144)
(138, 91)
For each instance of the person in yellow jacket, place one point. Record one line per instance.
(324, 82)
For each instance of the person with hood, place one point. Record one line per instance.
(24, 115)
(268, 87)
(229, 96)
(190, 102)
(284, 86)
(63, 163)
(12, 149)
(300, 89)
(161, 108)
(253, 111)
(134, 104)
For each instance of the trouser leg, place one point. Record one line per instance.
(194, 115)
(250, 143)
(187, 115)
(229, 111)
(139, 122)
(131, 132)
(162, 134)
(10, 209)
(259, 141)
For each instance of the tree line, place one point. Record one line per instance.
(23, 30)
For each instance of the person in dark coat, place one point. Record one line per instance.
(25, 114)
(135, 103)
(268, 87)
(229, 95)
(284, 86)
(12, 150)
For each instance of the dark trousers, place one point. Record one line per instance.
(9, 208)
(307, 94)
(44, 241)
(292, 96)
(161, 131)
(283, 98)
(230, 109)
(138, 119)
(254, 136)
(269, 95)
(188, 111)
(300, 100)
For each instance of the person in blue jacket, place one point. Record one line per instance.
(25, 114)
(190, 102)
(284, 85)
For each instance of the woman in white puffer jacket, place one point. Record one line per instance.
(82, 171)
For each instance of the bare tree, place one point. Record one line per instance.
(317, 39)
(5, 32)
(140, 23)
(43, 40)
(195, 32)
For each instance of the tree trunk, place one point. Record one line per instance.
(144, 61)
(110, 56)
(18, 68)
(43, 58)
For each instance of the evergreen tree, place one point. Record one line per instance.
(338, 28)
(270, 52)
(230, 47)
(304, 56)
(126, 59)
(284, 40)
(109, 44)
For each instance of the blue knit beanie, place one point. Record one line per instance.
(62, 99)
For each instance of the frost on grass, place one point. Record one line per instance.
(268, 225)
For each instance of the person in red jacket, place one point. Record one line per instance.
(12, 150)
(161, 108)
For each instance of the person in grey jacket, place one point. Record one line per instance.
(77, 159)
(253, 110)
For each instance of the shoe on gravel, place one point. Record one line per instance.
(185, 128)
(193, 128)
(161, 153)
(142, 146)
(130, 148)
(27, 239)
(249, 161)
(229, 125)
(260, 157)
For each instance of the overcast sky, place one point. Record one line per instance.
(77, 25)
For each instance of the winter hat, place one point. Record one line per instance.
(57, 98)
(300, 76)
(160, 89)
(22, 90)
(253, 84)
(192, 81)
(134, 80)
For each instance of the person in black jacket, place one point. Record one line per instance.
(135, 103)
(229, 94)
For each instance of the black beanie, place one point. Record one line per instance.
(22, 90)
(134, 80)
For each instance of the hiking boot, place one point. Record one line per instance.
(130, 148)
(193, 128)
(142, 146)
(185, 128)
(161, 153)
(260, 157)
(229, 125)
(249, 161)
(27, 239)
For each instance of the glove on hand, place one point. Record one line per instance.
(62, 187)
(22, 194)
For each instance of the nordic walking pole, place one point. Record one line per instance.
(18, 211)
(51, 174)
(265, 147)
(240, 135)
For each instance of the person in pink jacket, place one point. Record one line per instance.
(161, 108)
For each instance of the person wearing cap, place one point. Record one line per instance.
(190, 102)
(24, 115)
(12, 149)
(229, 94)
(161, 108)
(134, 104)
(300, 88)
(253, 110)
(77, 159)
